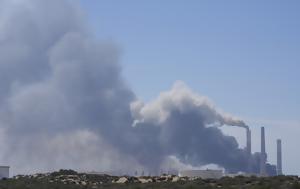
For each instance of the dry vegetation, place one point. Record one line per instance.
(67, 179)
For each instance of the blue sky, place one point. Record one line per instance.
(244, 55)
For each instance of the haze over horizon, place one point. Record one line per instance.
(96, 85)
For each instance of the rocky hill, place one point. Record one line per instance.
(71, 179)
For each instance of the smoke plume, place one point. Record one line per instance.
(188, 125)
(64, 102)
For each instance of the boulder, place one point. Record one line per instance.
(175, 179)
(122, 180)
(142, 180)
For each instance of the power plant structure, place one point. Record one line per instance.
(263, 154)
(263, 168)
(279, 158)
(248, 148)
(248, 138)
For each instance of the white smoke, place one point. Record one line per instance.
(183, 99)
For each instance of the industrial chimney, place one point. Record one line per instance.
(248, 132)
(248, 148)
(279, 158)
(263, 155)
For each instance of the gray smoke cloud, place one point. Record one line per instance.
(188, 125)
(62, 95)
(64, 103)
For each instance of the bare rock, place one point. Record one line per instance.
(122, 180)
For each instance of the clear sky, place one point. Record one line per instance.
(244, 55)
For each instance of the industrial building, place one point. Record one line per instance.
(4, 172)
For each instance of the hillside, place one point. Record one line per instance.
(67, 179)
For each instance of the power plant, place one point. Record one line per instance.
(265, 169)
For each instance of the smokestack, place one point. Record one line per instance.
(248, 132)
(279, 158)
(248, 148)
(263, 155)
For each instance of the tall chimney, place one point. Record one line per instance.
(279, 158)
(248, 148)
(263, 155)
(248, 142)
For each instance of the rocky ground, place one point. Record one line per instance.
(71, 179)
